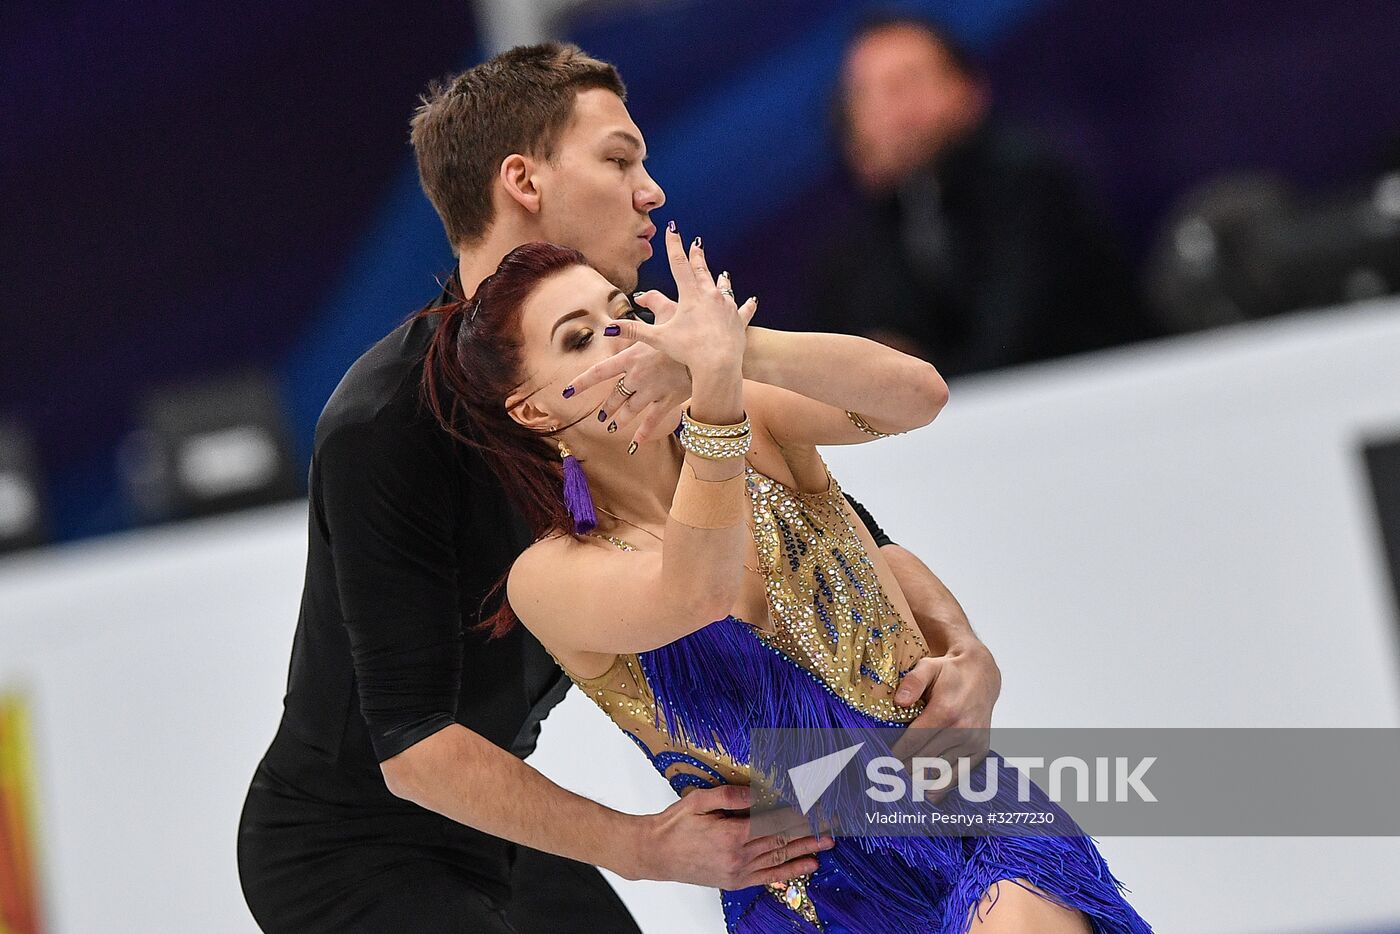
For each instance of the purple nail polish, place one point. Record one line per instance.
(671, 226)
(568, 391)
(612, 330)
(602, 416)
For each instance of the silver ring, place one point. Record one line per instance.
(626, 393)
(729, 292)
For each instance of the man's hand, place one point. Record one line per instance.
(960, 685)
(704, 839)
(959, 690)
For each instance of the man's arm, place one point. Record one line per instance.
(959, 681)
(937, 612)
(462, 776)
(389, 497)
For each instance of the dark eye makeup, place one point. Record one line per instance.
(581, 338)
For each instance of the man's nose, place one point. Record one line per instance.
(650, 197)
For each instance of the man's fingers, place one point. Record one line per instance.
(919, 741)
(721, 798)
(764, 848)
(783, 873)
(788, 823)
(963, 760)
(916, 681)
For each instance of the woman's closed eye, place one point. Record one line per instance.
(584, 336)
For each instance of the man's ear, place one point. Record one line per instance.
(518, 179)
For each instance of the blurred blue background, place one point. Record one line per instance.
(203, 188)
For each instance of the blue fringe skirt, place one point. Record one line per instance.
(715, 686)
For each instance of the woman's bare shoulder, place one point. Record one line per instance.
(533, 564)
(553, 558)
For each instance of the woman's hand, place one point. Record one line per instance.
(660, 385)
(704, 330)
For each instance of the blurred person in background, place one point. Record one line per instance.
(394, 795)
(974, 246)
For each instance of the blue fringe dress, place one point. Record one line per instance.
(832, 658)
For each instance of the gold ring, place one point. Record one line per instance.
(626, 393)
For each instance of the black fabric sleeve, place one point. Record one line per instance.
(391, 501)
(877, 533)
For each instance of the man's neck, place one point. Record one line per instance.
(476, 262)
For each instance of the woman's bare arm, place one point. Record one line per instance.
(805, 382)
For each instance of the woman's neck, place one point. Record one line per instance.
(636, 487)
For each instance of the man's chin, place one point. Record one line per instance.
(622, 276)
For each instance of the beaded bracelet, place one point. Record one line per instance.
(864, 426)
(706, 430)
(716, 448)
(715, 442)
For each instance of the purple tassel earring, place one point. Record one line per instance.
(577, 499)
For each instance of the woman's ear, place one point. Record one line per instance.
(528, 413)
(518, 179)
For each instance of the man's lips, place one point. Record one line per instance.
(648, 233)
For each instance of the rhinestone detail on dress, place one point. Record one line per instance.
(831, 615)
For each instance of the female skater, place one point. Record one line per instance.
(716, 582)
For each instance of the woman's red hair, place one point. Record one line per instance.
(472, 365)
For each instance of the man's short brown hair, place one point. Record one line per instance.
(517, 102)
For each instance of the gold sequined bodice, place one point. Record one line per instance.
(829, 613)
(833, 616)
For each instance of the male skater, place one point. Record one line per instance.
(394, 796)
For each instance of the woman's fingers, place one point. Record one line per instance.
(610, 368)
(748, 310)
(632, 329)
(703, 280)
(681, 269)
(656, 421)
(658, 303)
(726, 288)
(627, 407)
